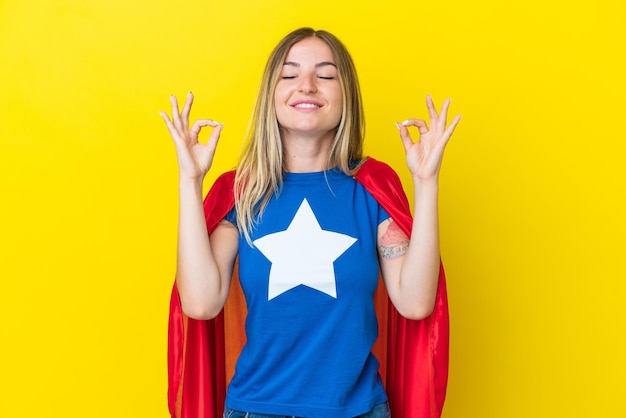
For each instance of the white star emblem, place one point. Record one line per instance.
(303, 254)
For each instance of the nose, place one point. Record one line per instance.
(307, 84)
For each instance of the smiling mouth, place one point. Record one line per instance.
(307, 106)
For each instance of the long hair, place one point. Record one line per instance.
(260, 170)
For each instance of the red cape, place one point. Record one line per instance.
(413, 354)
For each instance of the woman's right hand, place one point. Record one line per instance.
(194, 158)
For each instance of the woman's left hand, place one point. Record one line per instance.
(424, 157)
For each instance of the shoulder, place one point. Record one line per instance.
(373, 163)
(226, 178)
(377, 173)
(224, 184)
(385, 186)
(221, 197)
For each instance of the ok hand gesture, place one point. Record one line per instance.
(194, 158)
(424, 157)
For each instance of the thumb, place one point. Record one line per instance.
(405, 136)
(215, 137)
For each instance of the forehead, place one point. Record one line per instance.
(310, 50)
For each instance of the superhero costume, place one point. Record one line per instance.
(413, 354)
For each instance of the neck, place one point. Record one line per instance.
(307, 154)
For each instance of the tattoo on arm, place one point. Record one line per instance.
(394, 243)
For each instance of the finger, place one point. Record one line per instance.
(170, 127)
(407, 141)
(201, 123)
(443, 117)
(164, 116)
(432, 110)
(450, 129)
(447, 134)
(215, 136)
(176, 114)
(187, 111)
(420, 124)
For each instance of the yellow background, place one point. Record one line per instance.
(532, 196)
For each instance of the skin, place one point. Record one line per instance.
(309, 76)
(411, 280)
(410, 269)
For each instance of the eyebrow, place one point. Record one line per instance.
(318, 65)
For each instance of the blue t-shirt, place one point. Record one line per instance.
(309, 282)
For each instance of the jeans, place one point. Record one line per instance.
(379, 411)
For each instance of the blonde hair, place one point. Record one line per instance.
(260, 170)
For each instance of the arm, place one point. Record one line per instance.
(204, 264)
(410, 267)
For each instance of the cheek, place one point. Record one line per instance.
(278, 93)
(338, 104)
(282, 91)
(279, 100)
(336, 96)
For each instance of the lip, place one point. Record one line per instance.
(317, 105)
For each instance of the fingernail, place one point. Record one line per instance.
(406, 122)
(216, 122)
(398, 125)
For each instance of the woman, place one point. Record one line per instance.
(309, 236)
